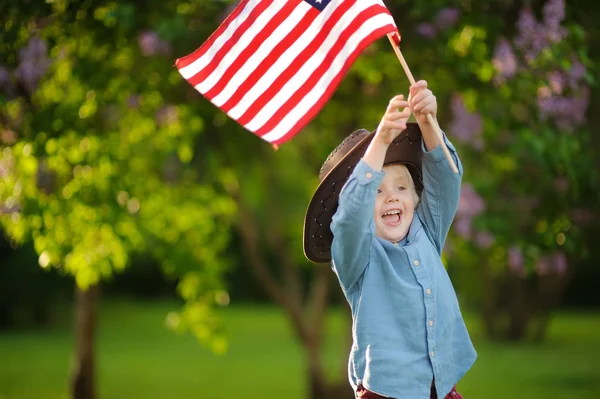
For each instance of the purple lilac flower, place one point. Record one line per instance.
(576, 74)
(151, 44)
(426, 30)
(554, 14)
(542, 265)
(463, 226)
(33, 63)
(527, 29)
(560, 262)
(470, 205)
(504, 61)
(561, 184)
(470, 202)
(557, 82)
(466, 126)
(167, 115)
(484, 239)
(516, 259)
(133, 101)
(568, 112)
(447, 18)
(534, 36)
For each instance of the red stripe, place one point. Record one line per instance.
(252, 47)
(318, 72)
(334, 83)
(190, 58)
(222, 52)
(295, 65)
(270, 59)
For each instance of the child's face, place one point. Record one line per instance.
(395, 204)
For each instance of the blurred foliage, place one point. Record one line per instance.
(98, 150)
(106, 153)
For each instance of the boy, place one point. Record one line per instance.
(385, 244)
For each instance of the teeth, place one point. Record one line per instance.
(394, 212)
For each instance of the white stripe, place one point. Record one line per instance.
(317, 92)
(283, 62)
(291, 86)
(261, 53)
(259, 24)
(199, 64)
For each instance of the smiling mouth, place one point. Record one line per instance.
(392, 217)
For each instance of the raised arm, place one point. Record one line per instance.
(441, 192)
(352, 225)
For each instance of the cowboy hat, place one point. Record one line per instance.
(405, 149)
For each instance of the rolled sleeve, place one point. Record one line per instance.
(437, 155)
(439, 200)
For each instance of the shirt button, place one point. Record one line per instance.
(396, 244)
(416, 262)
(430, 322)
(432, 353)
(369, 175)
(428, 291)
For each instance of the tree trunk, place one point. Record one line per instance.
(488, 306)
(82, 373)
(518, 306)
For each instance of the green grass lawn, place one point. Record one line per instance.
(139, 358)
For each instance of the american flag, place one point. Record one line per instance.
(273, 64)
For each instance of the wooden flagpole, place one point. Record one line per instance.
(430, 119)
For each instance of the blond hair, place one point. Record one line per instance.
(409, 177)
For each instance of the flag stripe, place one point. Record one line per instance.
(273, 64)
(322, 76)
(205, 79)
(289, 62)
(221, 46)
(269, 65)
(297, 72)
(222, 32)
(262, 45)
(312, 68)
(278, 136)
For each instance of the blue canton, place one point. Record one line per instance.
(407, 327)
(318, 4)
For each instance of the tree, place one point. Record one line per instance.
(518, 99)
(97, 158)
(107, 153)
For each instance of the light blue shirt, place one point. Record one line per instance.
(407, 327)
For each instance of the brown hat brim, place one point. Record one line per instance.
(406, 149)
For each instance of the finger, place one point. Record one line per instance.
(397, 102)
(429, 109)
(392, 116)
(420, 96)
(390, 125)
(405, 113)
(427, 102)
(421, 84)
(416, 88)
(396, 98)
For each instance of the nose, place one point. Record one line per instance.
(393, 197)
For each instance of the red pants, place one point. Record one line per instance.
(362, 393)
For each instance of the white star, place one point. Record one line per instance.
(319, 1)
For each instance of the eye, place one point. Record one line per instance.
(401, 188)
(379, 191)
